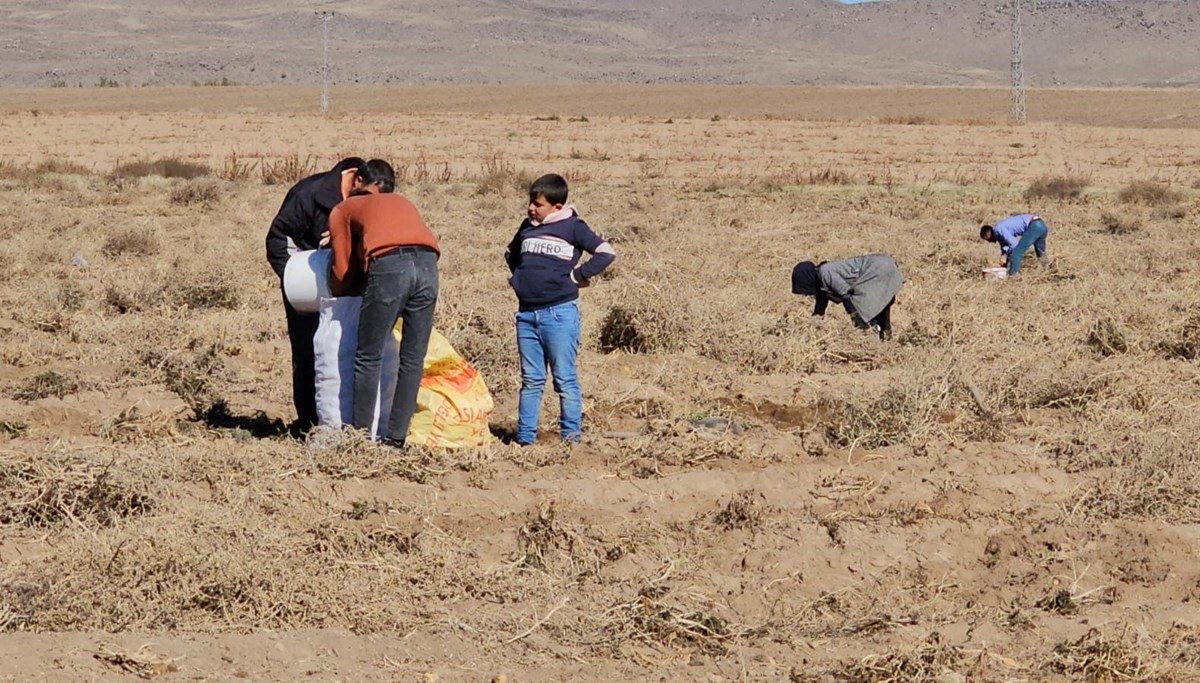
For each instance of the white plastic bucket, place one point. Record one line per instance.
(988, 274)
(306, 279)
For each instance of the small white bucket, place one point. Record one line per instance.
(988, 274)
(306, 279)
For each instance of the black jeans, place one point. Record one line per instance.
(302, 327)
(880, 324)
(401, 285)
(884, 320)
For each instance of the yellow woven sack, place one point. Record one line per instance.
(454, 404)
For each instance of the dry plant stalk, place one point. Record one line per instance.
(141, 663)
(57, 490)
(654, 619)
(743, 511)
(131, 426)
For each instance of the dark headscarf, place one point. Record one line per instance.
(804, 279)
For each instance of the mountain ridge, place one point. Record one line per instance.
(1083, 43)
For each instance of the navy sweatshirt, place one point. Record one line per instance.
(543, 257)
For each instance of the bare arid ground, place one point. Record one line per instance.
(1007, 491)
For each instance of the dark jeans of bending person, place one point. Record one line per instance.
(880, 324)
(402, 284)
(302, 327)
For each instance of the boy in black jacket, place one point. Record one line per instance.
(301, 224)
(546, 275)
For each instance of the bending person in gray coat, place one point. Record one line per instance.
(865, 285)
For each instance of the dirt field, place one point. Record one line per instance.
(863, 518)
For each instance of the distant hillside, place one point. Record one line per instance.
(931, 42)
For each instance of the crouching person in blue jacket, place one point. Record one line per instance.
(1016, 234)
(544, 259)
(865, 285)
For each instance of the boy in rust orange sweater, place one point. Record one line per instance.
(382, 235)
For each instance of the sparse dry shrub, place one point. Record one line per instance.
(1156, 475)
(352, 454)
(642, 328)
(544, 539)
(207, 573)
(482, 338)
(1074, 385)
(906, 120)
(743, 511)
(11, 429)
(420, 172)
(651, 169)
(286, 170)
(1149, 192)
(828, 176)
(1170, 212)
(1076, 392)
(198, 191)
(1097, 657)
(671, 445)
(1060, 187)
(348, 540)
(167, 168)
(228, 567)
(201, 291)
(61, 167)
(142, 663)
(235, 168)
(55, 489)
(27, 174)
(1182, 339)
(929, 660)
(619, 332)
(133, 242)
(47, 384)
(897, 416)
(500, 176)
(192, 376)
(72, 296)
(132, 425)
(1119, 225)
(661, 617)
(1107, 338)
(574, 176)
(1059, 601)
(134, 298)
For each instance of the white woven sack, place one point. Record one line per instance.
(334, 346)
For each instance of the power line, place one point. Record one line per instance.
(325, 19)
(1018, 67)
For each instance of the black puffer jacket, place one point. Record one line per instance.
(304, 214)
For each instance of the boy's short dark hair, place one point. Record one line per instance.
(986, 232)
(552, 186)
(378, 172)
(349, 163)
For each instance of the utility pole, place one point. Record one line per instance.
(1018, 67)
(325, 18)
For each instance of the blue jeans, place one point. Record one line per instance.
(1034, 236)
(549, 336)
(401, 285)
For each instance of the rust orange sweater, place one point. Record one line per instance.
(368, 225)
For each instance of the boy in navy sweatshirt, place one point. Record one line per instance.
(546, 275)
